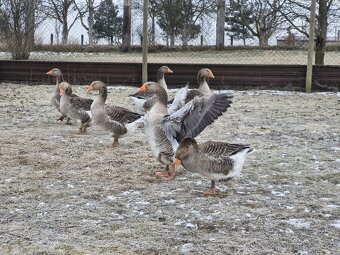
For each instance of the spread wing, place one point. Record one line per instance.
(192, 94)
(121, 114)
(196, 115)
(179, 100)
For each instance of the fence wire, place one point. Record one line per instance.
(284, 46)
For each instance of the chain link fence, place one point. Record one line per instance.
(284, 46)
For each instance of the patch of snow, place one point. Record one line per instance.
(71, 186)
(171, 201)
(325, 198)
(130, 193)
(278, 194)
(92, 221)
(333, 206)
(299, 223)
(288, 231)
(142, 203)
(188, 247)
(112, 198)
(191, 226)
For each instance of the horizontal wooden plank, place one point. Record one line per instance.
(131, 73)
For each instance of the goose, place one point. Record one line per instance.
(55, 97)
(164, 132)
(203, 76)
(213, 159)
(144, 101)
(74, 106)
(118, 120)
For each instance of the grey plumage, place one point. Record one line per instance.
(145, 100)
(164, 131)
(74, 106)
(117, 120)
(215, 160)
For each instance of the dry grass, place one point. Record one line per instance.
(244, 56)
(68, 194)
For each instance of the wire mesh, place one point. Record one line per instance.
(284, 46)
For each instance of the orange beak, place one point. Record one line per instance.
(210, 75)
(49, 72)
(169, 70)
(61, 91)
(177, 163)
(142, 89)
(90, 88)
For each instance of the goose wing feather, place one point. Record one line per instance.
(196, 115)
(121, 114)
(81, 103)
(221, 148)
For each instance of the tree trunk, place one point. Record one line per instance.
(321, 34)
(172, 40)
(64, 32)
(185, 33)
(90, 22)
(220, 23)
(153, 35)
(263, 40)
(30, 25)
(126, 43)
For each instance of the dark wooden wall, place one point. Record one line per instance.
(129, 74)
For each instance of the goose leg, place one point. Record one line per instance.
(165, 173)
(68, 121)
(115, 142)
(82, 129)
(212, 191)
(61, 118)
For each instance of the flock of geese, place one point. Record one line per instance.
(170, 125)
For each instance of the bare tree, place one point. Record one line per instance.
(61, 10)
(296, 14)
(266, 17)
(126, 42)
(18, 21)
(89, 9)
(220, 23)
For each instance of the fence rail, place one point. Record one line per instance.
(130, 74)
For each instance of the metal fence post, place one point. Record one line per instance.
(309, 73)
(145, 42)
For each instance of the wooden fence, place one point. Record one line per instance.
(130, 74)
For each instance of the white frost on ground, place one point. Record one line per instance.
(69, 194)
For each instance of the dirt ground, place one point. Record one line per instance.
(63, 193)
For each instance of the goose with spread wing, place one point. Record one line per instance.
(117, 120)
(215, 160)
(164, 132)
(75, 107)
(144, 101)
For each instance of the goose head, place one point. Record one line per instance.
(96, 85)
(55, 72)
(150, 86)
(187, 145)
(65, 88)
(204, 74)
(165, 69)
